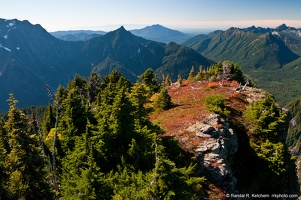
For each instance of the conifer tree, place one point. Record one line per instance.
(170, 182)
(164, 99)
(80, 177)
(25, 164)
(110, 86)
(115, 130)
(93, 87)
(180, 80)
(74, 119)
(3, 155)
(191, 74)
(139, 96)
(48, 120)
(168, 81)
(150, 79)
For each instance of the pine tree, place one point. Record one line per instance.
(74, 119)
(115, 129)
(25, 164)
(93, 87)
(80, 177)
(167, 81)
(164, 99)
(48, 120)
(191, 74)
(180, 80)
(150, 79)
(3, 155)
(110, 86)
(170, 182)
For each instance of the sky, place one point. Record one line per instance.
(108, 15)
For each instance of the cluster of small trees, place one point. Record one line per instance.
(221, 71)
(22, 167)
(267, 126)
(96, 142)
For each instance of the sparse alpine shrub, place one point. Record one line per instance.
(215, 103)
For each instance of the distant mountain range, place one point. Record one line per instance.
(271, 57)
(160, 33)
(250, 47)
(156, 33)
(77, 35)
(31, 57)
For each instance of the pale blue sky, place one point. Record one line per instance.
(179, 14)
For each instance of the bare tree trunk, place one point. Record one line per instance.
(54, 177)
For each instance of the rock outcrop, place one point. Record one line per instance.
(216, 149)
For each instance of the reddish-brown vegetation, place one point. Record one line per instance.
(190, 107)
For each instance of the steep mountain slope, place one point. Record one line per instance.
(225, 144)
(293, 139)
(132, 55)
(269, 56)
(249, 49)
(178, 60)
(291, 37)
(201, 41)
(161, 34)
(31, 58)
(122, 51)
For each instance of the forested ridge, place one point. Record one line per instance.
(99, 144)
(97, 141)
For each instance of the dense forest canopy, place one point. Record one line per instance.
(97, 142)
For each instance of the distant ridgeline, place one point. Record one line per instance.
(31, 57)
(271, 57)
(96, 141)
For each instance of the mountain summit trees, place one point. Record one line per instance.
(120, 153)
(25, 166)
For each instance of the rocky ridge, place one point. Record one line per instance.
(218, 145)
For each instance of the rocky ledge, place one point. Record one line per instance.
(216, 149)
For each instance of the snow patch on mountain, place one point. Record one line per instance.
(7, 49)
(276, 33)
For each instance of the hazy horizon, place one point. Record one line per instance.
(192, 15)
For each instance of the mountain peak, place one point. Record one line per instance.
(160, 33)
(159, 26)
(282, 27)
(121, 28)
(121, 31)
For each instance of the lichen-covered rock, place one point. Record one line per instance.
(215, 152)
